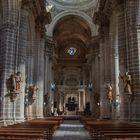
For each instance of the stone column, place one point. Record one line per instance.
(95, 95)
(114, 62)
(84, 99)
(59, 100)
(132, 13)
(40, 79)
(10, 31)
(102, 19)
(92, 83)
(49, 46)
(79, 103)
(102, 92)
(94, 61)
(31, 62)
(105, 107)
(21, 63)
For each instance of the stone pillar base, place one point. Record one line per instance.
(6, 122)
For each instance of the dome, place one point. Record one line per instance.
(73, 4)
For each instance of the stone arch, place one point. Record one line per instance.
(88, 19)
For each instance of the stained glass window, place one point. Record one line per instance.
(71, 51)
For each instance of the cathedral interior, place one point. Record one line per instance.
(72, 65)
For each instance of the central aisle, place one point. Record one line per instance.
(71, 130)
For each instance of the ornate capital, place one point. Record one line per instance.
(41, 20)
(101, 18)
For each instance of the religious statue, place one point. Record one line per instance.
(14, 85)
(17, 82)
(109, 91)
(127, 80)
(33, 92)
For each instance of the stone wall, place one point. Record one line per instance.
(123, 51)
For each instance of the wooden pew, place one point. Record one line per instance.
(109, 129)
(23, 133)
(122, 135)
(85, 119)
(34, 136)
(50, 124)
(38, 129)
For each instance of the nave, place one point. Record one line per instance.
(71, 130)
(69, 57)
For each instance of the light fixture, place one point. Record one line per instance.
(52, 86)
(117, 101)
(90, 86)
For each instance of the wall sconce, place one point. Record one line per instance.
(52, 86)
(90, 86)
(117, 101)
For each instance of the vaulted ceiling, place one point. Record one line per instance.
(73, 4)
(72, 32)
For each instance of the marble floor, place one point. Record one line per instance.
(71, 130)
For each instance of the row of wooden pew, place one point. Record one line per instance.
(110, 130)
(38, 129)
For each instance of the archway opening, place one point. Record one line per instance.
(72, 33)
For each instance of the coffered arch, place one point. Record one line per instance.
(72, 32)
(84, 16)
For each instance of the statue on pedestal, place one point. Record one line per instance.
(109, 92)
(127, 80)
(32, 92)
(17, 82)
(14, 85)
